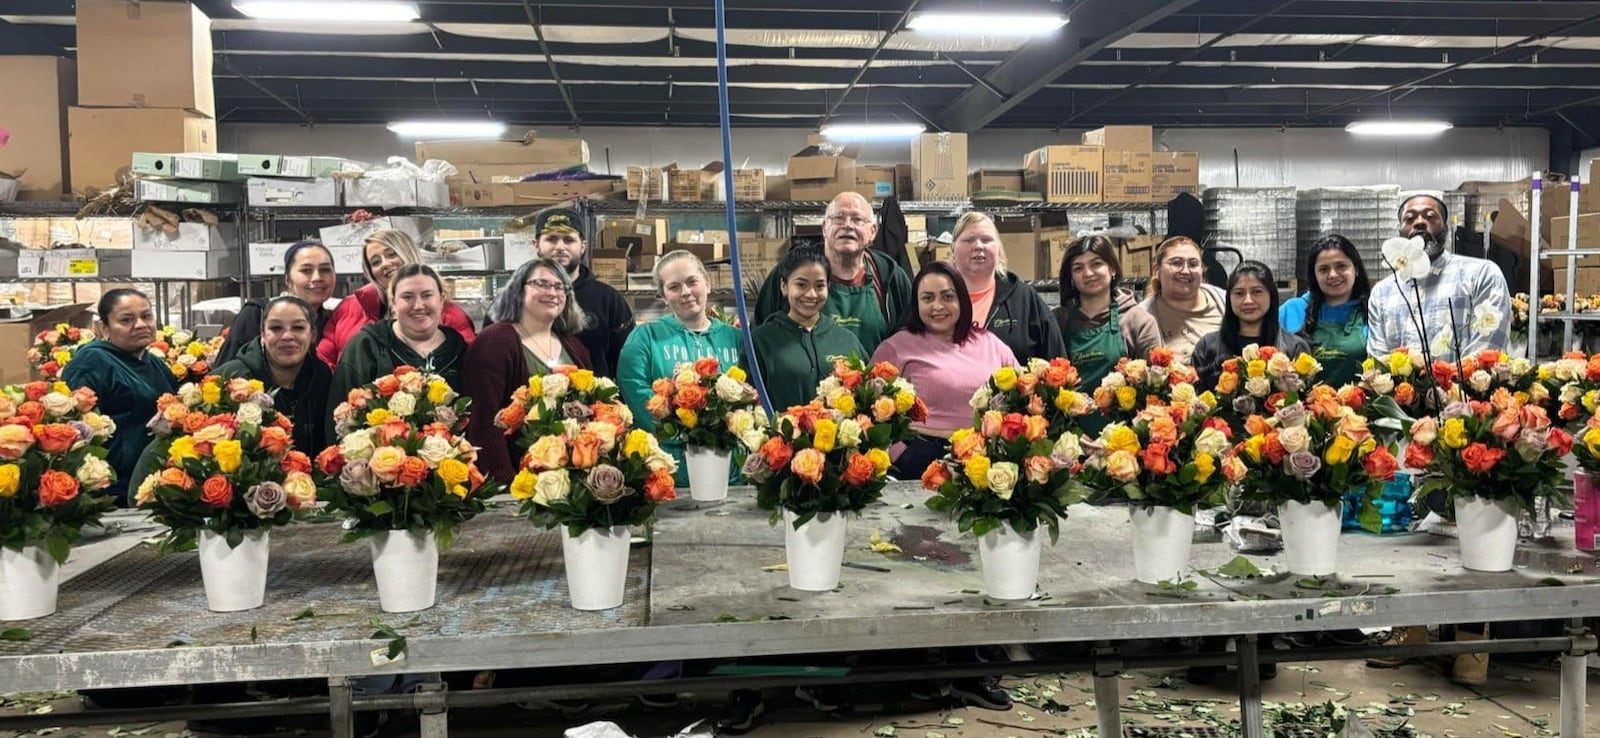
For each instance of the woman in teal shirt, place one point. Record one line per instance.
(1332, 314)
(655, 349)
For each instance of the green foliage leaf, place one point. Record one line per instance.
(16, 634)
(1240, 568)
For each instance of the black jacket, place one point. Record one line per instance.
(247, 328)
(305, 404)
(376, 351)
(1211, 351)
(1019, 317)
(610, 319)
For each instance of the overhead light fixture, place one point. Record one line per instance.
(367, 11)
(987, 24)
(448, 128)
(869, 131)
(1398, 127)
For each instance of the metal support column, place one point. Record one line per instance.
(1107, 691)
(1250, 687)
(435, 717)
(341, 716)
(1575, 680)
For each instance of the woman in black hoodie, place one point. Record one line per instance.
(281, 359)
(308, 274)
(1001, 303)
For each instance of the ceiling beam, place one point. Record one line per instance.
(1092, 27)
(555, 74)
(1444, 24)
(899, 24)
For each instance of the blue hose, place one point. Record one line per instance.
(733, 230)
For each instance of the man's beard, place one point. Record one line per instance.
(1432, 245)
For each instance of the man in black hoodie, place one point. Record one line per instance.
(562, 238)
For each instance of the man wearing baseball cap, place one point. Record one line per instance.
(563, 239)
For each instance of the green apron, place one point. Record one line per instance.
(860, 310)
(1340, 348)
(1094, 353)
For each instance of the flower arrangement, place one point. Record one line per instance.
(1501, 448)
(701, 405)
(400, 464)
(187, 357)
(1169, 456)
(1396, 387)
(832, 455)
(226, 463)
(1574, 381)
(53, 348)
(1519, 315)
(1311, 449)
(586, 467)
(1250, 383)
(52, 457)
(1046, 389)
(1139, 383)
(1481, 375)
(1007, 470)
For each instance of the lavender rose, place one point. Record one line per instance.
(266, 499)
(85, 433)
(357, 479)
(576, 410)
(1457, 409)
(263, 400)
(1291, 416)
(607, 484)
(446, 415)
(1244, 405)
(1291, 382)
(157, 425)
(755, 469)
(1302, 464)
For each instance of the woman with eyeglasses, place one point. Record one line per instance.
(307, 274)
(1001, 303)
(281, 359)
(387, 252)
(1185, 307)
(413, 336)
(534, 329)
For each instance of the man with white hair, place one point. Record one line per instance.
(1464, 304)
(868, 293)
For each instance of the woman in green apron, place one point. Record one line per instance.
(1100, 321)
(1332, 314)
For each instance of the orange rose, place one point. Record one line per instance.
(86, 399)
(1157, 459)
(1380, 464)
(1418, 456)
(173, 477)
(883, 409)
(275, 441)
(387, 386)
(586, 450)
(1012, 427)
(1035, 427)
(776, 453)
(56, 438)
(1038, 469)
(194, 421)
(967, 445)
(659, 487)
(15, 440)
(1228, 383)
(1560, 441)
(691, 397)
(330, 461)
(1163, 431)
(808, 465)
(31, 411)
(57, 488)
(1161, 356)
(885, 371)
(857, 470)
(1405, 394)
(217, 491)
(295, 461)
(36, 390)
(935, 476)
(512, 418)
(412, 471)
(707, 367)
(393, 430)
(657, 406)
(918, 412)
(1480, 458)
(1273, 449)
(662, 386)
(1352, 396)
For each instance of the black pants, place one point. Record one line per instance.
(920, 452)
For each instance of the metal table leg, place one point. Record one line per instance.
(342, 719)
(435, 717)
(1250, 687)
(1575, 680)
(1107, 691)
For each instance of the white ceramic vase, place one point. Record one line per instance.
(29, 580)
(1487, 531)
(1010, 562)
(1311, 536)
(1162, 537)
(235, 577)
(708, 473)
(406, 565)
(815, 551)
(597, 566)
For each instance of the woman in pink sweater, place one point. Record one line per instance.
(947, 357)
(386, 252)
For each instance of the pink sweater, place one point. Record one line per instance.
(945, 374)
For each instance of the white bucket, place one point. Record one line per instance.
(708, 473)
(235, 578)
(597, 566)
(29, 580)
(815, 551)
(1488, 533)
(406, 565)
(1311, 536)
(1010, 562)
(1162, 537)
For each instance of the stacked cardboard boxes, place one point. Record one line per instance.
(484, 162)
(1127, 161)
(37, 91)
(1115, 164)
(818, 173)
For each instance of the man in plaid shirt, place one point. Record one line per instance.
(1464, 301)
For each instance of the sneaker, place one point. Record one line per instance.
(660, 701)
(982, 692)
(744, 709)
(930, 691)
(825, 698)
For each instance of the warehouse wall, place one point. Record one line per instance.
(1267, 157)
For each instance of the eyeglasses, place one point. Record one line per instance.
(854, 220)
(545, 285)
(1179, 265)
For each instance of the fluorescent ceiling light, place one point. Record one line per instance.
(376, 11)
(987, 24)
(1398, 127)
(449, 128)
(865, 131)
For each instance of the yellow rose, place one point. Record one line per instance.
(1368, 446)
(299, 489)
(536, 386)
(548, 452)
(904, 401)
(1591, 399)
(211, 393)
(182, 448)
(437, 392)
(255, 384)
(825, 437)
(1257, 368)
(453, 472)
(197, 349)
(1126, 397)
(1065, 399)
(1400, 364)
(583, 380)
(385, 463)
(1005, 379)
(1591, 441)
(1252, 447)
(846, 404)
(61, 388)
(880, 461)
(687, 417)
(637, 444)
(10, 479)
(377, 416)
(1454, 433)
(1209, 399)
(1122, 438)
(229, 455)
(1339, 451)
(1205, 465)
(1368, 364)
(737, 374)
(1123, 466)
(977, 471)
(1304, 365)
(522, 485)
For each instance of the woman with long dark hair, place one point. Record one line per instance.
(1100, 321)
(1251, 317)
(1332, 314)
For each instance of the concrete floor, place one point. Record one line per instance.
(1519, 701)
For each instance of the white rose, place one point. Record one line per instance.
(1113, 381)
(980, 399)
(182, 338)
(551, 486)
(555, 386)
(1280, 365)
(56, 404)
(607, 433)
(1382, 384)
(1003, 479)
(434, 450)
(1156, 375)
(403, 404)
(190, 394)
(186, 360)
(1136, 370)
(602, 383)
(686, 375)
(248, 414)
(1571, 393)
(740, 421)
(1211, 441)
(1295, 439)
(1257, 386)
(752, 439)
(94, 472)
(1067, 449)
(1480, 381)
(1183, 394)
(356, 446)
(901, 384)
(1037, 365)
(849, 433)
(1251, 352)
(729, 389)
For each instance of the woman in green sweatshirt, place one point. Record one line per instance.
(655, 349)
(796, 349)
(126, 377)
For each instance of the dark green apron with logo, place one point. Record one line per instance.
(1094, 353)
(861, 310)
(1340, 348)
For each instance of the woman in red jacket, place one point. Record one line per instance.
(386, 252)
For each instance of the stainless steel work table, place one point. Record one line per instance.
(706, 589)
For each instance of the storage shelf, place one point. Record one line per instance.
(1574, 317)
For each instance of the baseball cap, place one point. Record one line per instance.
(558, 220)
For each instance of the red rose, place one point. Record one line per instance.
(1480, 458)
(707, 367)
(217, 491)
(1012, 427)
(1418, 456)
(330, 461)
(36, 390)
(1561, 441)
(919, 411)
(57, 488)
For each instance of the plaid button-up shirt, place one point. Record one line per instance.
(1454, 287)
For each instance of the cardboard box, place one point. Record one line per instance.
(481, 162)
(266, 259)
(1174, 173)
(820, 190)
(1009, 180)
(187, 191)
(875, 182)
(144, 55)
(186, 264)
(19, 332)
(610, 266)
(693, 185)
(1136, 256)
(1021, 242)
(778, 188)
(748, 185)
(1555, 202)
(103, 140)
(816, 173)
(1065, 173)
(939, 166)
(467, 255)
(706, 252)
(301, 167)
(394, 193)
(49, 233)
(72, 263)
(211, 167)
(190, 237)
(37, 91)
(1588, 234)
(643, 235)
(292, 193)
(648, 183)
(1127, 176)
(355, 234)
(532, 193)
(1121, 138)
